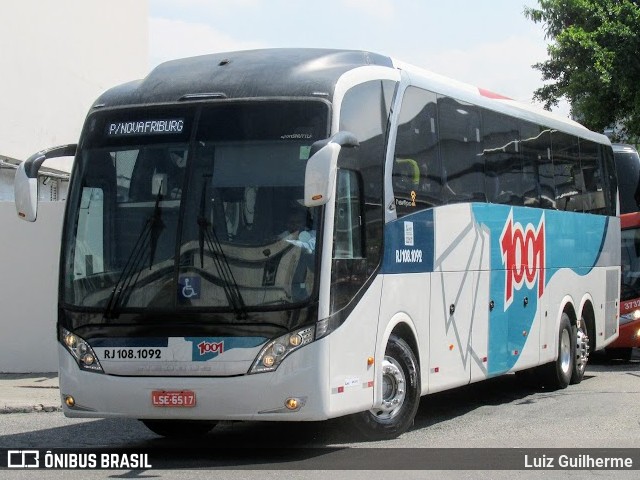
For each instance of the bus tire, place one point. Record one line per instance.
(401, 395)
(557, 374)
(581, 335)
(179, 428)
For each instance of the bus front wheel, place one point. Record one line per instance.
(179, 428)
(400, 394)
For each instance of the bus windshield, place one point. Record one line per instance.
(171, 212)
(628, 168)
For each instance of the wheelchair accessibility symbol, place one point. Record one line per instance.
(189, 288)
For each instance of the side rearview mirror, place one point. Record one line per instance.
(26, 180)
(320, 174)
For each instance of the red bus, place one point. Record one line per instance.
(629, 336)
(628, 168)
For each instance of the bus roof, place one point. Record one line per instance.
(279, 72)
(302, 72)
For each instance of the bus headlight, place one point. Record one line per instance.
(275, 351)
(81, 351)
(629, 317)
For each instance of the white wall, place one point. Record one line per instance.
(56, 58)
(29, 254)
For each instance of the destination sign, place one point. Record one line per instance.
(145, 127)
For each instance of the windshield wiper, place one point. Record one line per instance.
(229, 284)
(147, 241)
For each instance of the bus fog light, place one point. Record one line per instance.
(69, 401)
(275, 351)
(292, 403)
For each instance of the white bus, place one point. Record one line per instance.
(302, 234)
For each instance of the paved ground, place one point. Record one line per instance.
(24, 393)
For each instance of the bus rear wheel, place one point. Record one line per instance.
(581, 335)
(400, 395)
(179, 428)
(557, 374)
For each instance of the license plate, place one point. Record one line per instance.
(164, 398)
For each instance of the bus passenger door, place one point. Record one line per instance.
(459, 299)
(450, 330)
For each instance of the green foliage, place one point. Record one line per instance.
(594, 60)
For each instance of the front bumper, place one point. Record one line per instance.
(244, 397)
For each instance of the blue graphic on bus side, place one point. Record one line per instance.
(528, 247)
(408, 244)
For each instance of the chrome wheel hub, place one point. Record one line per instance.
(393, 390)
(565, 351)
(582, 348)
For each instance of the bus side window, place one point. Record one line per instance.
(461, 151)
(592, 178)
(416, 175)
(89, 254)
(349, 263)
(504, 175)
(348, 217)
(566, 163)
(535, 143)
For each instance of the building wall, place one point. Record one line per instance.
(56, 58)
(29, 254)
